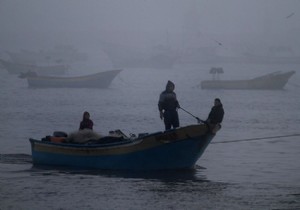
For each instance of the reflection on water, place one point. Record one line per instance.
(68, 188)
(15, 158)
(65, 188)
(162, 175)
(167, 175)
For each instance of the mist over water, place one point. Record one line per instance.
(242, 37)
(234, 28)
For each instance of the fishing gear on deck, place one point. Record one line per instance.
(197, 118)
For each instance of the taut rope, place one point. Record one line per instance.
(255, 139)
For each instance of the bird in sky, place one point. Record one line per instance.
(290, 15)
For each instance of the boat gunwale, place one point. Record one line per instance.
(127, 142)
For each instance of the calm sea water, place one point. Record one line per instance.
(262, 174)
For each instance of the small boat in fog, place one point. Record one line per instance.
(61, 54)
(17, 68)
(178, 148)
(272, 81)
(98, 80)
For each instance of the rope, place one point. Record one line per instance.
(197, 118)
(255, 139)
(293, 84)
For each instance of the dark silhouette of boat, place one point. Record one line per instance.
(178, 148)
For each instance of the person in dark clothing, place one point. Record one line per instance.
(86, 122)
(168, 105)
(216, 115)
(217, 112)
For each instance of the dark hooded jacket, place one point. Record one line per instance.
(216, 114)
(86, 124)
(168, 99)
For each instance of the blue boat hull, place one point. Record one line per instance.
(176, 149)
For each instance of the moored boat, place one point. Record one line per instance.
(272, 81)
(173, 149)
(98, 80)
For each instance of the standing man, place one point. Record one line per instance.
(168, 105)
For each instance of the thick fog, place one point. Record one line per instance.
(232, 26)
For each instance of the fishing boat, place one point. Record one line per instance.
(98, 80)
(178, 148)
(272, 81)
(17, 68)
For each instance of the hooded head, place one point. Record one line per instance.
(170, 86)
(218, 102)
(86, 115)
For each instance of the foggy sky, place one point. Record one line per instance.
(38, 24)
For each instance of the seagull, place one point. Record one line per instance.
(290, 15)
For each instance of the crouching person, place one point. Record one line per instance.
(215, 116)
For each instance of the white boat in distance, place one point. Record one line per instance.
(272, 81)
(18, 68)
(98, 80)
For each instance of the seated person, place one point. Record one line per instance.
(215, 116)
(86, 122)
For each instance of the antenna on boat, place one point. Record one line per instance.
(197, 118)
